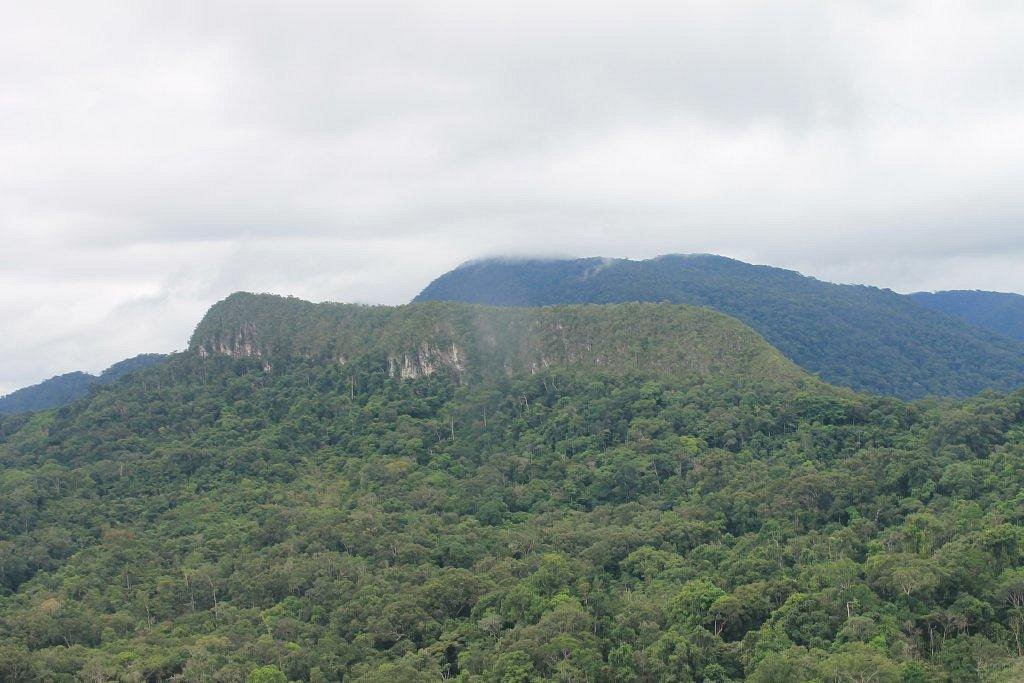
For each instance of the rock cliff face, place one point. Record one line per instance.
(426, 360)
(420, 340)
(243, 343)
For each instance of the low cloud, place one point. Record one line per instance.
(158, 156)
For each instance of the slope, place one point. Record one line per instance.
(999, 312)
(63, 389)
(477, 341)
(279, 503)
(861, 337)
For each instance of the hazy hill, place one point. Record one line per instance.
(320, 492)
(475, 341)
(996, 311)
(63, 389)
(861, 337)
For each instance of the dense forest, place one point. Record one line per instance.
(325, 493)
(996, 311)
(63, 389)
(861, 337)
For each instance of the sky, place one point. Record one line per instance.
(156, 156)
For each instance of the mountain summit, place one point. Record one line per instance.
(861, 337)
(418, 340)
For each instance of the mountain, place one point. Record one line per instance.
(63, 389)
(133, 364)
(861, 337)
(998, 312)
(476, 341)
(649, 492)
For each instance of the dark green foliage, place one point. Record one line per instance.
(56, 391)
(994, 311)
(122, 368)
(63, 389)
(286, 516)
(860, 337)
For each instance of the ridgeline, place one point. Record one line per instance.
(865, 338)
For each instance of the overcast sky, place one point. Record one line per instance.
(155, 157)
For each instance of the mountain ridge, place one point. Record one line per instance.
(468, 339)
(999, 312)
(62, 389)
(862, 337)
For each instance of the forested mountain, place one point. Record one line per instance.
(996, 311)
(861, 337)
(583, 493)
(63, 389)
(480, 342)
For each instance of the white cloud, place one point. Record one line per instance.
(159, 155)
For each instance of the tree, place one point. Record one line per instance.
(792, 664)
(512, 667)
(859, 663)
(16, 664)
(266, 674)
(692, 604)
(904, 574)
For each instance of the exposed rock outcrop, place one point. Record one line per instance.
(244, 343)
(426, 360)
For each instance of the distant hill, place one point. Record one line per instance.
(63, 389)
(857, 336)
(475, 341)
(995, 311)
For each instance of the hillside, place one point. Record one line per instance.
(998, 312)
(477, 342)
(861, 337)
(63, 389)
(321, 492)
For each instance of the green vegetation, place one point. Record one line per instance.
(279, 504)
(54, 392)
(995, 311)
(484, 342)
(865, 338)
(63, 389)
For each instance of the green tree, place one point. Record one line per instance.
(266, 674)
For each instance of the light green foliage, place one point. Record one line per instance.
(266, 674)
